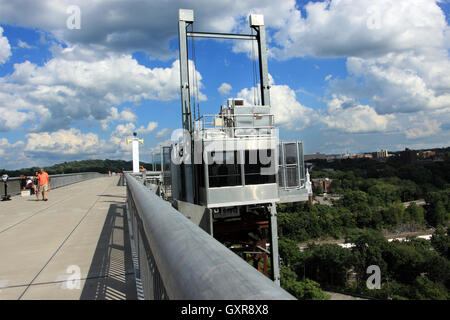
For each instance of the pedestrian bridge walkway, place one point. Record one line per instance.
(73, 246)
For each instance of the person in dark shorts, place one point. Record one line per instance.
(36, 184)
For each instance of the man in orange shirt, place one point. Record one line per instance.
(44, 184)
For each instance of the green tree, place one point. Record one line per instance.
(393, 214)
(327, 264)
(302, 290)
(425, 289)
(369, 246)
(436, 214)
(289, 252)
(415, 213)
(319, 189)
(441, 242)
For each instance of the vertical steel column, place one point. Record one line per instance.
(241, 159)
(284, 168)
(275, 260)
(299, 179)
(257, 23)
(303, 163)
(185, 18)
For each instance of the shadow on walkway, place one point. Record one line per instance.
(111, 274)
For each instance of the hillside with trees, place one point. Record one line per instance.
(369, 201)
(101, 166)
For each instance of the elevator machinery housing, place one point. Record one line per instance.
(229, 170)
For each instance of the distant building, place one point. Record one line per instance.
(349, 156)
(324, 182)
(427, 154)
(317, 155)
(408, 156)
(380, 155)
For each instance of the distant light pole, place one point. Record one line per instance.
(135, 147)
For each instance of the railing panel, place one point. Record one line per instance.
(178, 260)
(56, 181)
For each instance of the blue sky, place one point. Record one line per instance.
(348, 75)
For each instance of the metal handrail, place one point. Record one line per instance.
(202, 120)
(187, 261)
(56, 181)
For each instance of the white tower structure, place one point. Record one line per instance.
(135, 147)
(308, 184)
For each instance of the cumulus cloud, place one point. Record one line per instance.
(362, 28)
(11, 116)
(125, 115)
(65, 142)
(424, 127)
(5, 48)
(399, 83)
(149, 128)
(396, 51)
(9, 148)
(77, 84)
(163, 132)
(345, 114)
(124, 26)
(285, 107)
(12, 154)
(23, 45)
(224, 89)
(119, 135)
(397, 60)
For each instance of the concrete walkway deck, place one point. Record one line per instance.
(74, 246)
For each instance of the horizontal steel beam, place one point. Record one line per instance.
(192, 264)
(222, 35)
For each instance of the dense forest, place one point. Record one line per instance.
(366, 201)
(102, 166)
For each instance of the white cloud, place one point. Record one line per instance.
(12, 154)
(397, 59)
(8, 148)
(5, 48)
(364, 28)
(149, 128)
(396, 51)
(78, 84)
(119, 135)
(224, 89)
(13, 119)
(125, 115)
(345, 114)
(161, 133)
(424, 127)
(285, 107)
(65, 142)
(24, 45)
(122, 26)
(400, 83)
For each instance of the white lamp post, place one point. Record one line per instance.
(135, 147)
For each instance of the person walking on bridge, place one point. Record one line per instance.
(44, 184)
(36, 184)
